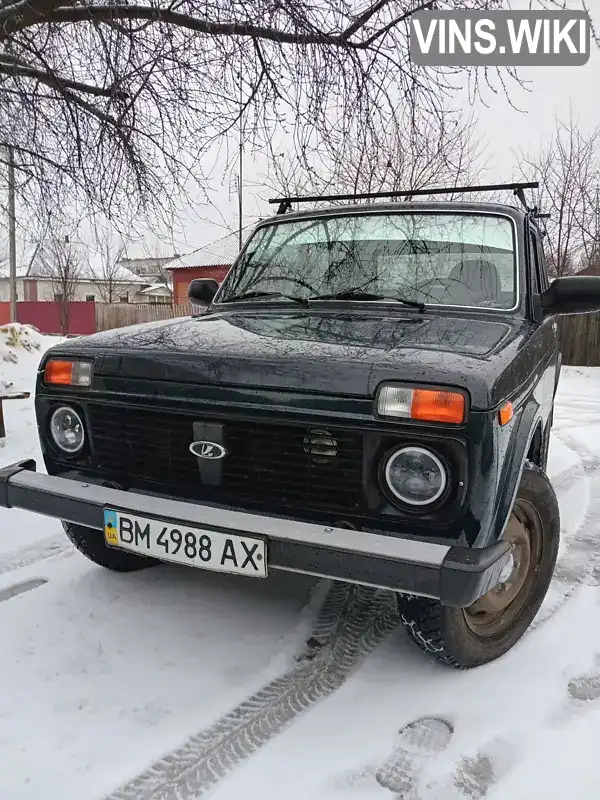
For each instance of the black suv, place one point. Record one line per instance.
(368, 397)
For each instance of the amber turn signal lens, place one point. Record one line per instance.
(506, 413)
(68, 373)
(438, 406)
(58, 372)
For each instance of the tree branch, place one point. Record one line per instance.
(401, 18)
(363, 18)
(17, 68)
(110, 13)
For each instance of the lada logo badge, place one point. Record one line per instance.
(210, 450)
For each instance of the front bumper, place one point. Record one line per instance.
(457, 576)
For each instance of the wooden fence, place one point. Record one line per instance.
(117, 315)
(580, 340)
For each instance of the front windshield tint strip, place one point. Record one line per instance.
(452, 259)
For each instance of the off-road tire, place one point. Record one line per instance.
(90, 542)
(443, 632)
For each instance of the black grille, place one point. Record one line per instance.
(317, 467)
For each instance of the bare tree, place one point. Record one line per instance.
(591, 214)
(62, 263)
(406, 154)
(111, 274)
(568, 169)
(119, 101)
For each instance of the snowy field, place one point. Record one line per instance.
(175, 683)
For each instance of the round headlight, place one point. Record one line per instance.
(415, 476)
(66, 427)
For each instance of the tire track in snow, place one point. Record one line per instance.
(580, 563)
(352, 621)
(31, 554)
(20, 588)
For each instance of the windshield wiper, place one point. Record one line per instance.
(259, 295)
(352, 294)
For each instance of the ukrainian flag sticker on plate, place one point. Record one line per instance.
(111, 527)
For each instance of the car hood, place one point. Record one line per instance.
(344, 352)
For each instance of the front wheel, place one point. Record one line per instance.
(470, 637)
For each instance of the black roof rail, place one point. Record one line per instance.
(285, 203)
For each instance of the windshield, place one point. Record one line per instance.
(433, 258)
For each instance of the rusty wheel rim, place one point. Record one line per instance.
(499, 608)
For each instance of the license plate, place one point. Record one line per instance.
(183, 544)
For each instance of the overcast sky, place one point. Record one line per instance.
(551, 92)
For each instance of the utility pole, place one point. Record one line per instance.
(12, 234)
(597, 236)
(241, 160)
(239, 187)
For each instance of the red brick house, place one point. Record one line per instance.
(212, 261)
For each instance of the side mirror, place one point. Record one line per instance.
(576, 294)
(202, 291)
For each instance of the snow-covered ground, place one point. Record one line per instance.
(176, 683)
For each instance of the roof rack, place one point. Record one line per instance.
(285, 203)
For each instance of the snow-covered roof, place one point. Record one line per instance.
(151, 265)
(5, 270)
(35, 262)
(221, 253)
(157, 288)
(93, 271)
(25, 259)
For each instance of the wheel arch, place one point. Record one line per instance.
(535, 454)
(526, 438)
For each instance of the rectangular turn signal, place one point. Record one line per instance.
(437, 406)
(68, 373)
(426, 405)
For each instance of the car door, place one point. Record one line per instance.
(549, 339)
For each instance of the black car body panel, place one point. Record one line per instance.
(331, 352)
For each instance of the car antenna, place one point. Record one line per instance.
(285, 203)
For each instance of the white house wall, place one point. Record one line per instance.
(5, 289)
(46, 290)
